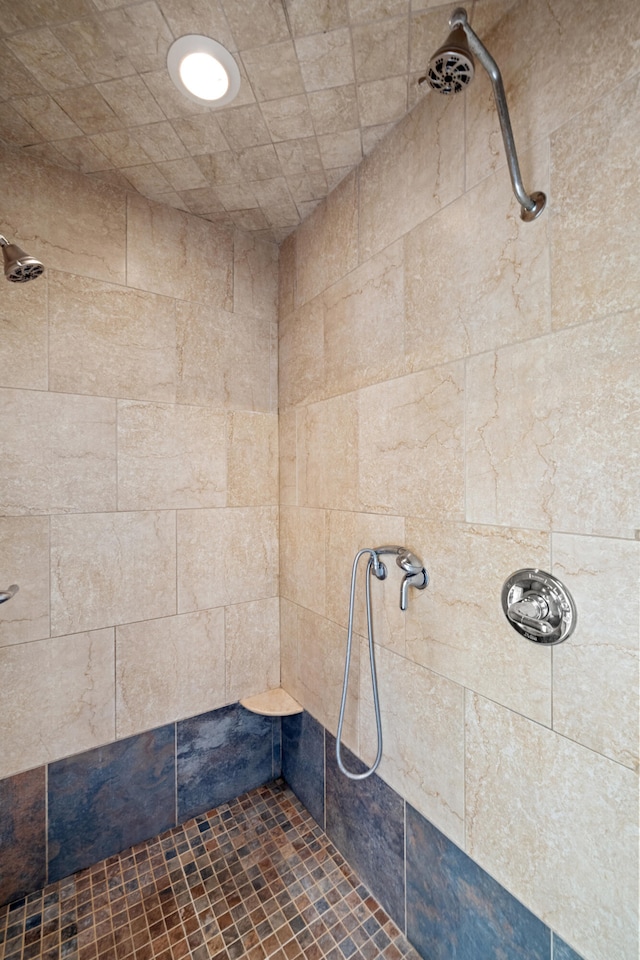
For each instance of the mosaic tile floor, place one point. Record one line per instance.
(254, 878)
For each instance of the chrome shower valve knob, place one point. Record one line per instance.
(539, 606)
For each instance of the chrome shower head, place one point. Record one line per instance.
(18, 265)
(451, 67)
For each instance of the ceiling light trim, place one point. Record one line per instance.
(194, 43)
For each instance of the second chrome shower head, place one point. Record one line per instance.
(18, 265)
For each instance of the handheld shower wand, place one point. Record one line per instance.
(451, 70)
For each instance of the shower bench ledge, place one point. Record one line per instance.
(272, 703)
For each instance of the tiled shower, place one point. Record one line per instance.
(199, 431)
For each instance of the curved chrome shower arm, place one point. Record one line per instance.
(532, 205)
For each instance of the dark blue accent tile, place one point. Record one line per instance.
(105, 800)
(303, 761)
(456, 911)
(222, 754)
(562, 950)
(277, 748)
(365, 820)
(22, 835)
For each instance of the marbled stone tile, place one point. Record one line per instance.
(110, 341)
(558, 824)
(23, 834)
(289, 636)
(178, 255)
(347, 534)
(23, 335)
(490, 287)
(301, 355)
(59, 455)
(326, 59)
(365, 820)
(255, 277)
(287, 276)
(288, 469)
(226, 556)
(303, 761)
(326, 243)
(422, 736)
(223, 359)
(457, 627)
(562, 950)
(327, 453)
(412, 174)
(363, 324)
(105, 800)
(549, 431)
(112, 568)
(56, 697)
(168, 669)
(24, 548)
(456, 910)
(302, 548)
(252, 459)
(601, 231)
(595, 673)
(411, 444)
(252, 648)
(34, 194)
(170, 456)
(222, 754)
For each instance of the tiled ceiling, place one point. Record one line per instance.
(83, 83)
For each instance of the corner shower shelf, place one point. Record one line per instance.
(272, 703)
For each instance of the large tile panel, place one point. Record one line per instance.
(24, 548)
(303, 557)
(327, 453)
(23, 834)
(24, 343)
(252, 648)
(252, 459)
(303, 761)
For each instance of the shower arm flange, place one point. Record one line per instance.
(532, 204)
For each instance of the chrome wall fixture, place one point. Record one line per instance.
(539, 606)
(18, 265)
(451, 70)
(9, 593)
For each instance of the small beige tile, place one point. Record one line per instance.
(24, 547)
(121, 147)
(14, 129)
(201, 134)
(273, 69)
(382, 101)
(428, 769)
(91, 46)
(456, 627)
(159, 141)
(23, 335)
(288, 118)
(59, 455)
(243, 126)
(88, 109)
(322, 16)
(380, 49)
(334, 109)
(326, 59)
(131, 101)
(46, 117)
(411, 445)
(236, 196)
(252, 647)
(178, 255)
(175, 106)
(47, 60)
(183, 173)
(205, 17)
(170, 456)
(226, 556)
(299, 157)
(364, 324)
(111, 568)
(204, 201)
(147, 179)
(252, 459)
(570, 850)
(140, 31)
(372, 136)
(601, 231)
(255, 277)
(256, 22)
(15, 79)
(288, 473)
(168, 669)
(546, 422)
(82, 154)
(110, 341)
(302, 549)
(360, 10)
(327, 453)
(340, 150)
(71, 681)
(301, 355)
(260, 163)
(595, 672)
(327, 243)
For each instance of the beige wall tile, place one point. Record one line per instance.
(302, 557)
(23, 335)
(547, 423)
(252, 459)
(326, 243)
(71, 681)
(288, 475)
(457, 627)
(364, 324)
(168, 669)
(58, 454)
(255, 277)
(286, 276)
(334, 109)
(489, 287)
(581, 168)
(170, 456)
(89, 42)
(131, 101)
(226, 556)
(557, 823)
(252, 648)
(24, 548)
(111, 568)
(380, 49)
(301, 355)
(412, 174)
(382, 101)
(426, 769)
(289, 639)
(141, 33)
(595, 672)
(326, 59)
(411, 444)
(327, 453)
(45, 116)
(44, 56)
(110, 341)
(178, 255)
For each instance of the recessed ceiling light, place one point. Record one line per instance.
(203, 70)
